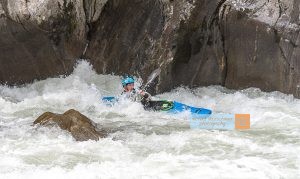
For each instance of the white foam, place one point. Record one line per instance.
(146, 144)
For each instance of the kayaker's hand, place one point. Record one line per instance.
(144, 94)
(141, 92)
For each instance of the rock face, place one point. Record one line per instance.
(234, 43)
(81, 127)
(262, 45)
(41, 39)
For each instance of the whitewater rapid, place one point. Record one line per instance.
(145, 144)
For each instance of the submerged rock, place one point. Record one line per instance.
(81, 127)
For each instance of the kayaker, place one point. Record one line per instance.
(131, 93)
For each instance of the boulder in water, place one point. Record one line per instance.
(81, 127)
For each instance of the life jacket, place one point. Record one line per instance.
(132, 95)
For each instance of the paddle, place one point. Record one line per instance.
(152, 77)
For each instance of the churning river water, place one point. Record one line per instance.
(145, 144)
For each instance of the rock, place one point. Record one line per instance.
(125, 37)
(199, 56)
(262, 45)
(238, 44)
(234, 43)
(81, 127)
(41, 39)
(139, 41)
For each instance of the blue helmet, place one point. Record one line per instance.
(127, 80)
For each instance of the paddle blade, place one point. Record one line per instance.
(153, 75)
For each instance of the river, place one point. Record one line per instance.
(145, 144)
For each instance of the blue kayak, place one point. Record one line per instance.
(173, 107)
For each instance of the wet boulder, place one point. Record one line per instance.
(81, 127)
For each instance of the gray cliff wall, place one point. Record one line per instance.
(234, 43)
(41, 39)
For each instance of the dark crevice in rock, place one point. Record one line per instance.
(280, 13)
(89, 9)
(224, 18)
(216, 13)
(213, 20)
(64, 23)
